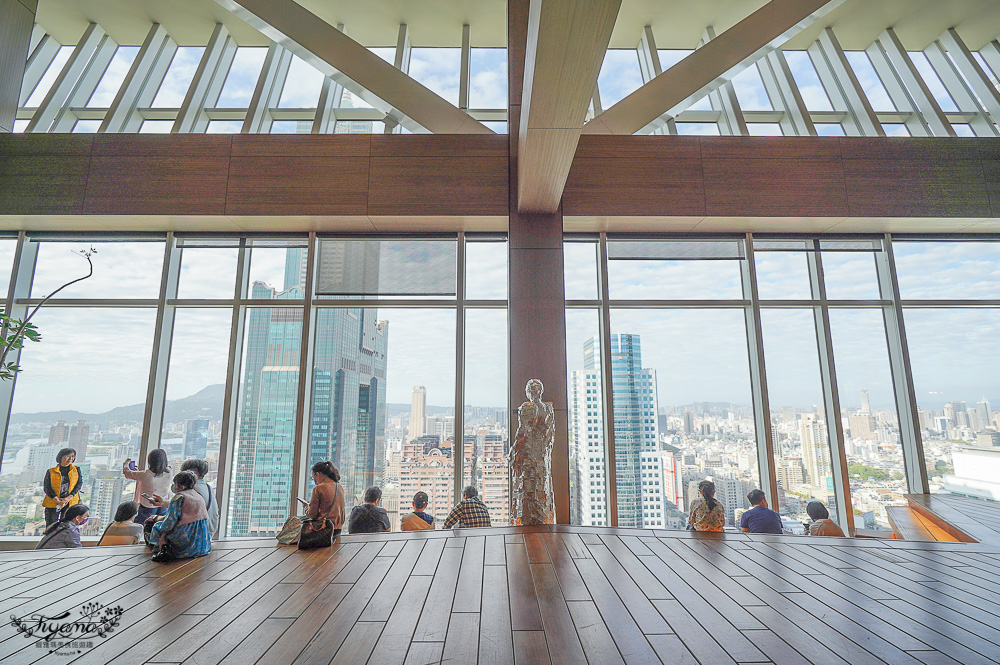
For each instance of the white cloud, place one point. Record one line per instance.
(178, 78)
(438, 69)
(114, 76)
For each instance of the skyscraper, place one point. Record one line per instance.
(815, 449)
(58, 433)
(636, 432)
(866, 406)
(418, 412)
(79, 437)
(347, 420)
(196, 438)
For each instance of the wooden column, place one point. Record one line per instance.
(17, 18)
(536, 313)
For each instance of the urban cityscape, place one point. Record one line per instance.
(661, 451)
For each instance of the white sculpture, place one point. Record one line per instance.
(532, 501)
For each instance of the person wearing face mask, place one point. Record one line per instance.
(62, 486)
(185, 532)
(65, 532)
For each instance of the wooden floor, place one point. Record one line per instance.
(525, 595)
(976, 518)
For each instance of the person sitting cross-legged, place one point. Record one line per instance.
(470, 511)
(760, 518)
(184, 533)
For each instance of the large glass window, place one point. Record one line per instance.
(588, 471)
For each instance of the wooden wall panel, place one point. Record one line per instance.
(158, 175)
(635, 186)
(44, 174)
(298, 175)
(774, 188)
(407, 185)
(894, 188)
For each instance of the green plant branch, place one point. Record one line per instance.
(24, 328)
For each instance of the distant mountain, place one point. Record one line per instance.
(206, 403)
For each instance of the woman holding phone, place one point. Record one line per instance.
(327, 500)
(154, 480)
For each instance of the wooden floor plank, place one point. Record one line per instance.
(629, 639)
(560, 631)
(650, 621)
(496, 646)
(469, 592)
(291, 643)
(257, 642)
(424, 653)
(529, 648)
(626, 559)
(430, 556)
(598, 645)
(495, 554)
(523, 604)
(359, 643)
(462, 644)
(433, 624)
(392, 644)
(535, 547)
(382, 603)
(335, 629)
(314, 585)
(671, 649)
(570, 581)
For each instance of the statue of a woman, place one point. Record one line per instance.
(532, 501)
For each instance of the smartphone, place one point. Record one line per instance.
(131, 465)
(148, 497)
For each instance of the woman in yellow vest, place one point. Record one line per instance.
(62, 486)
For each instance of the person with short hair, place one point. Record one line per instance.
(199, 468)
(184, 533)
(470, 511)
(62, 486)
(707, 514)
(154, 480)
(418, 520)
(123, 528)
(821, 525)
(760, 518)
(66, 531)
(369, 517)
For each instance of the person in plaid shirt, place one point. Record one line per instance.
(469, 512)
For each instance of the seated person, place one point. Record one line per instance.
(760, 518)
(199, 468)
(418, 520)
(821, 525)
(123, 531)
(369, 517)
(184, 533)
(470, 511)
(706, 514)
(66, 531)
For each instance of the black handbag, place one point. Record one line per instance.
(316, 533)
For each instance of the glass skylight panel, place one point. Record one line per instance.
(224, 127)
(359, 127)
(488, 78)
(121, 269)
(870, 82)
(291, 127)
(807, 80)
(302, 85)
(675, 270)
(114, 76)
(86, 126)
(895, 129)
(242, 78)
(990, 74)
(178, 78)
(764, 129)
(51, 73)
(437, 69)
(619, 76)
(156, 127)
(933, 82)
(698, 128)
(750, 90)
(964, 130)
(829, 129)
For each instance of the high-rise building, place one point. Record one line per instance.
(984, 414)
(347, 423)
(79, 438)
(866, 406)
(105, 496)
(418, 412)
(815, 449)
(58, 433)
(636, 432)
(196, 438)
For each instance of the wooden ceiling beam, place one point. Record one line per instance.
(567, 40)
